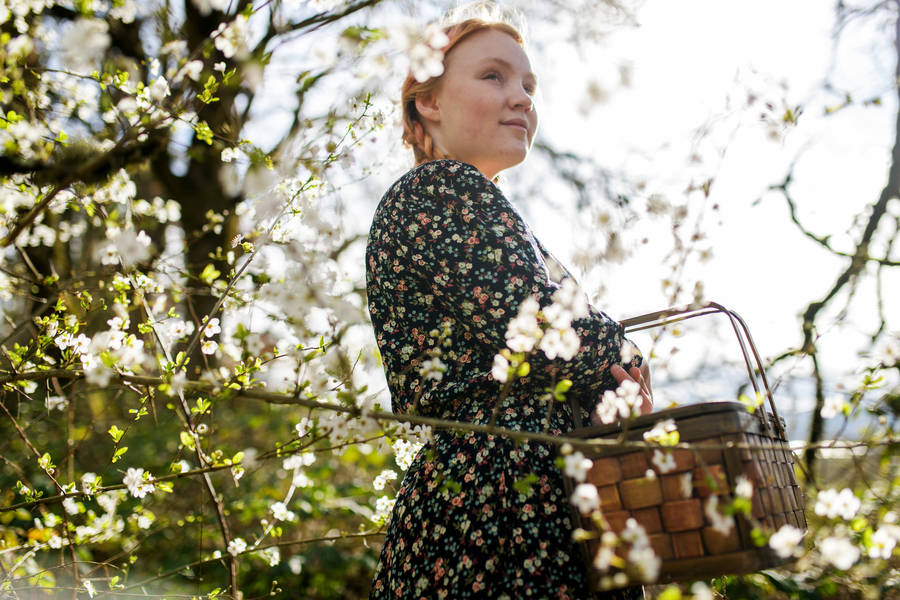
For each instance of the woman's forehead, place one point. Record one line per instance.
(491, 45)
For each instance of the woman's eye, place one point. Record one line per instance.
(492, 76)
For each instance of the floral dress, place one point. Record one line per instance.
(449, 261)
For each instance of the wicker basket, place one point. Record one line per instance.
(726, 442)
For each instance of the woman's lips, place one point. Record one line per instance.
(517, 125)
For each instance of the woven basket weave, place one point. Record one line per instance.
(726, 442)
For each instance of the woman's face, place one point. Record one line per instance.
(482, 111)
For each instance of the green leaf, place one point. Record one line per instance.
(209, 274)
(562, 386)
(187, 440)
(759, 537)
(670, 593)
(203, 133)
(525, 484)
(115, 433)
(209, 88)
(119, 453)
(742, 505)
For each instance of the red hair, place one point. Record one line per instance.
(414, 133)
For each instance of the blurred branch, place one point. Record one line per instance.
(313, 23)
(74, 167)
(858, 261)
(823, 241)
(325, 538)
(233, 393)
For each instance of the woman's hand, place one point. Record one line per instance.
(642, 378)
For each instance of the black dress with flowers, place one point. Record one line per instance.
(477, 516)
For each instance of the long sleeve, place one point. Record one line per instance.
(451, 231)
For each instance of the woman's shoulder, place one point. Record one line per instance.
(440, 177)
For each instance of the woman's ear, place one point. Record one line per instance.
(427, 107)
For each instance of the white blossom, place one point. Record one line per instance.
(500, 369)
(721, 523)
(883, 541)
(178, 328)
(271, 555)
(296, 461)
(229, 154)
(743, 487)
(83, 44)
(523, 331)
(839, 551)
(833, 406)
(664, 461)
(231, 38)
(627, 352)
(89, 482)
(70, 505)
(585, 498)
(209, 346)
(81, 344)
(63, 340)
(207, 6)
(383, 477)
(577, 466)
(660, 431)
(193, 69)
(433, 368)
(832, 504)
(603, 558)
(127, 245)
(99, 375)
(560, 343)
(383, 507)
(786, 540)
(159, 89)
(136, 484)
(303, 426)
(623, 403)
(701, 591)
(645, 560)
(212, 328)
(426, 58)
(300, 480)
(281, 513)
(236, 546)
(125, 11)
(569, 303)
(56, 403)
(404, 452)
(108, 501)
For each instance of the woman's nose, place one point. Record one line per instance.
(521, 99)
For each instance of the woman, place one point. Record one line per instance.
(449, 263)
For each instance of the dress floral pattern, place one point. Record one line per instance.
(477, 516)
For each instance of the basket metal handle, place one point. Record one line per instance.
(757, 378)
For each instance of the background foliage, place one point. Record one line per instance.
(189, 377)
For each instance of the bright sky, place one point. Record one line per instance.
(691, 63)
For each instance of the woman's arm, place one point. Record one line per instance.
(455, 232)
